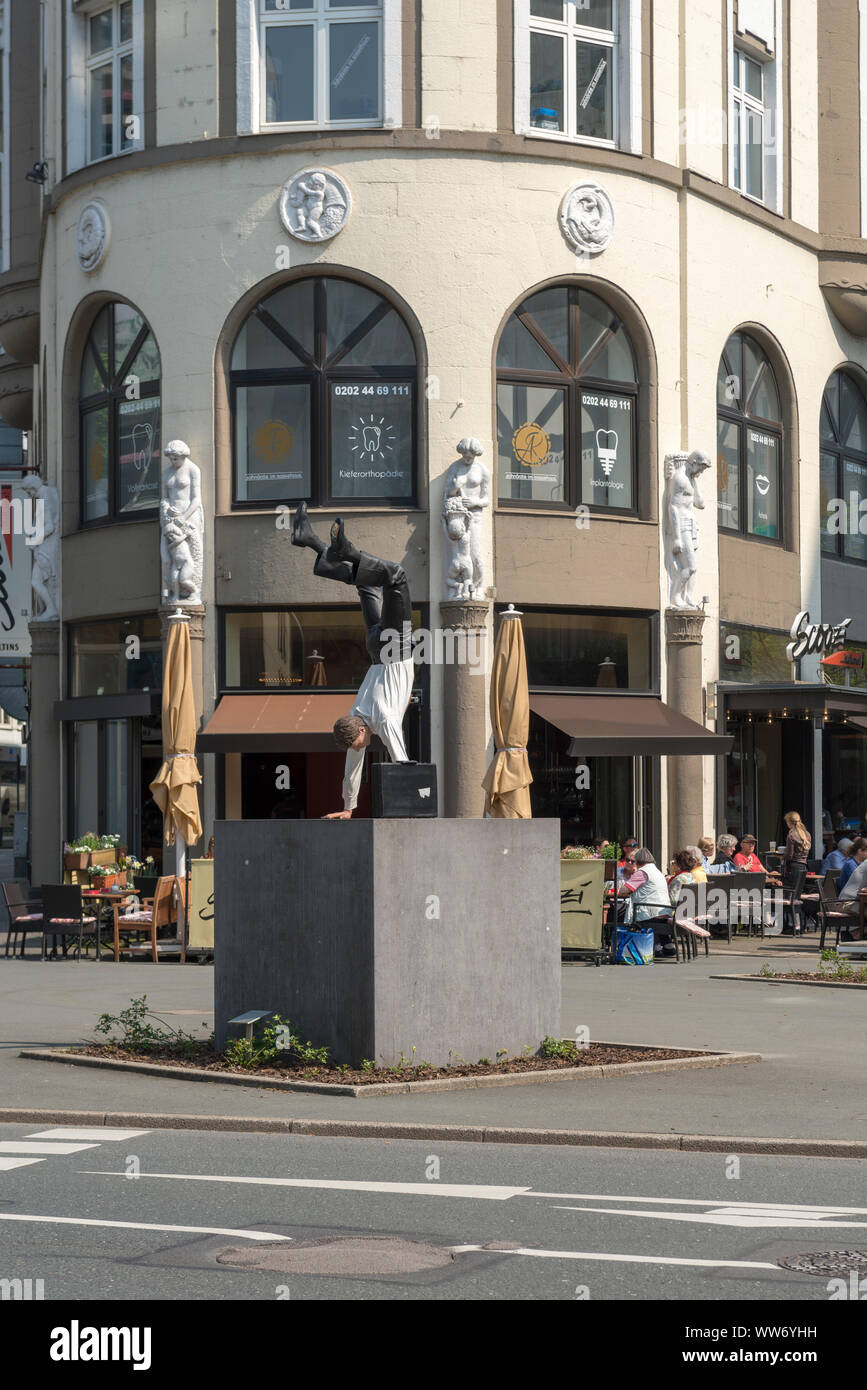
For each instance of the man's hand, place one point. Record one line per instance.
(339, 815)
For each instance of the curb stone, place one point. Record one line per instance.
(778, 980)
(456, 1083)
(480, 1134)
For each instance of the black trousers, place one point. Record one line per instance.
(386, 605)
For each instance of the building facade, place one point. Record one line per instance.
(321, 243)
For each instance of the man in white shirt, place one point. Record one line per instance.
(385, 692)
(850, 896)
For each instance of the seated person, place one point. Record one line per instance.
(687, 861)
(648, 889)
(599, 844)
(629, 846)
(724, 861)
(706, 849)
(836, 858)
(699, 873)
(746, 858)
(850, 897)
(856, 856)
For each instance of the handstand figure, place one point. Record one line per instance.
(385, 692)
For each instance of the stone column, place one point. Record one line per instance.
(683, 630)
(196, 614)
(44, 752)
(464, 693)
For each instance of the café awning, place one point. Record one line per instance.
(628, 725)
(274, 724)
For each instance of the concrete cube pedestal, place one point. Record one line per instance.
(377, 937)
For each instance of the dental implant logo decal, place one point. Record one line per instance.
(371, 438)
(606, 444)
(274, 441)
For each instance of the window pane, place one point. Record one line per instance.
(100, 32)
(126, 102)
(116, 779)
(568, 649)
(752, 77)
(546, 81)
(286, 5)
(519, 351)
(94, 460)
(138, 454)
(727, 387)
(606, 449)
(388, 344)
(547, 9)
(273, 442)
(756, 655)
(854, 491)
(127, 326)
(371, 439)
(595, 13)
(737, 138)
(763, 484)
(755, 127)
(11, 447)
(349, 4)
(615, 362)
(531, 443)
(728, 476)
(85, 764)
(550, 310)
(94, 382)
(595, 110)
(829, 513)
(354, 71)
(829, 414)
(274, 650)
(100, 665)
(146, 365)
(100, 112)
(736, 68)
(126, 22)
(289, 68)
(762, 398)
(258, 346)
(853, 415)
(348, 305)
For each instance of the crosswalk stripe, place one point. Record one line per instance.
(8, 1163)
(407, 1189)
(101, 1133)
(29, 1146)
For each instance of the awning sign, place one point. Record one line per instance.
(853, 661)
(810, 637)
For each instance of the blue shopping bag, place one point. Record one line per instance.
(634, 947)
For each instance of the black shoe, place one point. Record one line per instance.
(340, 548)
(302, 531)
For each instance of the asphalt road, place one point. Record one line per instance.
(102, 1215)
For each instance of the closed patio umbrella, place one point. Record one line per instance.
(174, 787)
(507, 780)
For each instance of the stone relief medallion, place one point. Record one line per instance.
(315, 205)
(587, 218)
(92, 236)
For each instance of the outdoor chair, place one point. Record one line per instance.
(814, 866)
(830, 915)
(145, 885)
(21, 918)
(747, 890)
(160, 911)
(63, 915)
(773, 863)
(687, 927)
(718, 914)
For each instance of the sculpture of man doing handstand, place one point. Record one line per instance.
(385, 692)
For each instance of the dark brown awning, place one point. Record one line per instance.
(274, 724)
(632, 725)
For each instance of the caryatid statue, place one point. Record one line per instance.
(682, 472)
(46, 551)
(182, 525)
(468, 483)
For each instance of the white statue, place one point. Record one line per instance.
(457, 524)
(46, 553)
(587, 218)
(315, 205)
(182, 522)
(468, 481)
(682, 472)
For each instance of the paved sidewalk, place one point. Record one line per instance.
(810, 1085)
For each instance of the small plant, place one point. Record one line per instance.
(611, 852)
(136, 1034)
(767, 971)
(368, 1064)
(558, 1047)
(577, 852)
(484, 1061)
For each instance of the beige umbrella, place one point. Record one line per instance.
(174, 787)
(507, 780)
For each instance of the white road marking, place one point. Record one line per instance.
(99, 1133)
(29, 1146)
(146, 1226)
(619, 1259)
(411, 1189)
(7, 1163)
(728, 1218)
(711, 1203)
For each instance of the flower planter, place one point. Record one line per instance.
(76, 859)
(103, 882)
(103, 856)
(581, 883)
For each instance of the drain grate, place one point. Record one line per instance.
(825, 1262)
(341, 1255)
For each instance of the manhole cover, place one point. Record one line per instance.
(341, 1255)
(824, 1262)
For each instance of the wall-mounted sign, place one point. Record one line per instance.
(852, 661)
(810, 637)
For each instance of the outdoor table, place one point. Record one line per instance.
(103, 895)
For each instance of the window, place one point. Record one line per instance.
(101, 660)
(120, 417)
(323, 385)
(4, 139)
(573, 77)
(567, 397)
(753, 656)
(321, 62)
(587, 651)
(111, 122)
(843, 469)
(753, 122)
(289, 649)
(750, 441)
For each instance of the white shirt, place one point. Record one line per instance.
(382, 702)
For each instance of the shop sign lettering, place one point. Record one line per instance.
(810, 637)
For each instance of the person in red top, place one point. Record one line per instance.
(746, 858)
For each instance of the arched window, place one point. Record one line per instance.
(843, 465)
(120, 417)
(750, 440)
(323, 384)
(567, 396)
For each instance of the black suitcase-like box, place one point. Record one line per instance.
(403, 791)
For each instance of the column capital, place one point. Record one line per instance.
(194, 611)
(683, 627)
(44, 638)
(464, 614)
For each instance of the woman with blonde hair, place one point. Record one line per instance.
(798, 840)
